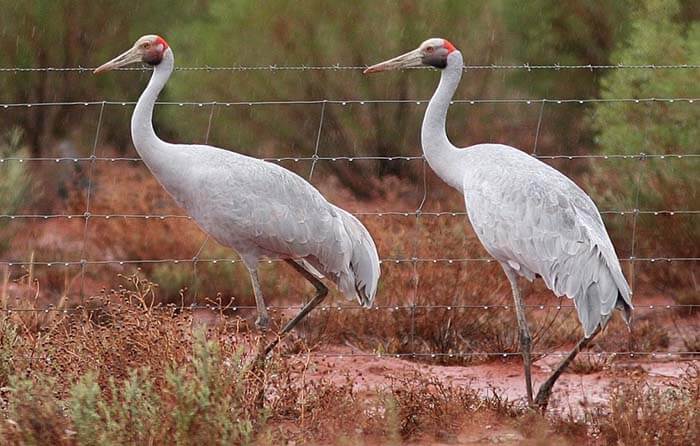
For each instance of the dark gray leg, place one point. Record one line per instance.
(546, 389)
(523, 330)
(321, 293)
(263, 320)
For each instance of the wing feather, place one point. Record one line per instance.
(537, 221)
(261, 209)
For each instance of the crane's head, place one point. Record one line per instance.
(433, 52)
(148, 49)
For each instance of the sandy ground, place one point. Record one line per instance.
(572, 391)
(571, 395)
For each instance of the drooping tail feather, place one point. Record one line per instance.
(363, 276)
(597, 286)
(626, 308)
(365, 264)
(595, 306)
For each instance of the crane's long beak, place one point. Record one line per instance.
(127, 57)
(411, 59)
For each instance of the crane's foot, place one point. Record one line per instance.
(262, 322)
(542, 398)
(257, 368)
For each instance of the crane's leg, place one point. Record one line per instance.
(523, 330)
(321, 293)
(545, 391)
(263, 320)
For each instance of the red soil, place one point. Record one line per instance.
(505, 377)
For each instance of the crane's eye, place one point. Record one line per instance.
(146, 45)
(429, 49)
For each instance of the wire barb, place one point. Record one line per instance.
(338, 67)
(384, 261)
(345, 102)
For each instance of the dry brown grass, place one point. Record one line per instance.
(644, 415)
(586, 364)
(124, 369)
(437, 322)
(84, 361)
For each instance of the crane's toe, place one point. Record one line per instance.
(262, 322)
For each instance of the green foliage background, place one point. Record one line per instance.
(314, 32)
(656, 35)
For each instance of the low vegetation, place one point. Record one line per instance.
(123, 371)
(15, 184)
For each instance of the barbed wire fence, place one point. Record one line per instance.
(417, 214)
(339, 67)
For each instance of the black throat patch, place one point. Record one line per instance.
(435, 60)
(153, 57)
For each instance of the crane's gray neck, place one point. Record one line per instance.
(151, 148)
(442, 156)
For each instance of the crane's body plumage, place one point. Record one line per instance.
(262, 210)
(530, 217)
(258, 208)
(538, 222)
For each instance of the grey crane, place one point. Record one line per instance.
(258, 208)
(530, 217)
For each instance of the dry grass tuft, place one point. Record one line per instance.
(644, 415)
(590, 363)
(123, 369)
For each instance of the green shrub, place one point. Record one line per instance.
(204, 402)
(656, 128)
(657, 36)
(15, 182)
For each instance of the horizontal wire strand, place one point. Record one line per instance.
(502, 354)
(388, 261)
(664, 212)
(339, 67)
(527, 101)
(639, 354)
(365, 158)
(195, 306)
